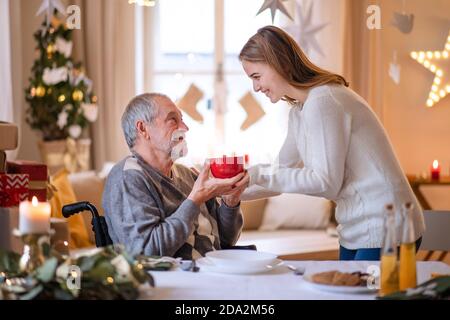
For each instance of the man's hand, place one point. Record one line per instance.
(206, 188)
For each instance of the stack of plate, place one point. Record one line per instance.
(238, 261)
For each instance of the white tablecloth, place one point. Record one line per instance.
(278, 284)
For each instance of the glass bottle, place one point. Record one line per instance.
(389, 264)
(408, 276)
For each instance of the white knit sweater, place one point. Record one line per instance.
(336, 148)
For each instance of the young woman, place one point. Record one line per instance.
(335, 148)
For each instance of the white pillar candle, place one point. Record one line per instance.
(34, 217)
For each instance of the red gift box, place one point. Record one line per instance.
(13, 189)
(38, 176)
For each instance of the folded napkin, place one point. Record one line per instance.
(157, 263)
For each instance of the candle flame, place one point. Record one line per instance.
(34, 201)
(435, 164)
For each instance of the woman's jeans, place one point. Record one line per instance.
(366, 254)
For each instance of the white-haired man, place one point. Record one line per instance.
(156, 207)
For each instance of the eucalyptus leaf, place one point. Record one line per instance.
(9, 262)
(88, 262)
(33, 293)
(46, 272)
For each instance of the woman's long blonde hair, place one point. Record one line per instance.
(275, 47)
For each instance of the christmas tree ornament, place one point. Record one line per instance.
(438, 62)
(94, 99)
(56, 23)
(394, 69)
(90, 111)
(62, 119)
(48, 6)
(50, 48)
(274, 5)
(253, 110)
(40, 91)
(61, 98)
(75, 131)
(77, 95)
(63, 46)
(304, 32)
(33, 91)
(54, 76)
(188, 103)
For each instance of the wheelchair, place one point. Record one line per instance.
(100, 228)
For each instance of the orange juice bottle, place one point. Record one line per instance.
(389, 264)
(408, 276)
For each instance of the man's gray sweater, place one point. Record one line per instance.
(150, 214)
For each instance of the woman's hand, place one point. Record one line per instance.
(206, 188)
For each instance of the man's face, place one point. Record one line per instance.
(167, 129)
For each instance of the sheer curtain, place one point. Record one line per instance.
(362, 55)
(114, 44)
(7, 112)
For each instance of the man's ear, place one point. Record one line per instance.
(142, 130)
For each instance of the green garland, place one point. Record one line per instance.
(107, 274)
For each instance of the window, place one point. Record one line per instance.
(198, 41)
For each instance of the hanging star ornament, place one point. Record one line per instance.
(305, 32)
(403, 22)
(437, 62)
(49, 6)
(274, 5)
(394, 70)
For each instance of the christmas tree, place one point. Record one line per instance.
(60, 96)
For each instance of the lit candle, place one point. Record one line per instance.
(435, 170)
(34, 217)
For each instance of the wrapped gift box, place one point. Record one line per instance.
(13, 189)
(9, 134)
(38, 176)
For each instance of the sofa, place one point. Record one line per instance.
(304, 235)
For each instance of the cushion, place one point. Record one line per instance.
(296, 211)
(253, 212)
(290, 242)
(78, 236)
(88, 186)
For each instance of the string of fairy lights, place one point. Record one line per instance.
(433, 60)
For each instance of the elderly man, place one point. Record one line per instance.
(156, 207)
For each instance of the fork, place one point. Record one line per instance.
(298, 271)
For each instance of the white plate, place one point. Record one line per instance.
(248, 258)
(337, 289)
(206, 264)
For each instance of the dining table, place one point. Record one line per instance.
(278, 283)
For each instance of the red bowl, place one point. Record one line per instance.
(226, 167)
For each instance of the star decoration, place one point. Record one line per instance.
(394, 70)
(274, 5)
(403, 22)
(305, 32)
(49, 6)
(438, 63)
